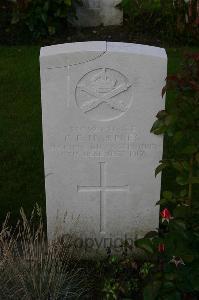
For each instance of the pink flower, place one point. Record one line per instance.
(177, 261)
(166, 215)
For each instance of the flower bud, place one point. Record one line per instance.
(165, 214)
(161, 247)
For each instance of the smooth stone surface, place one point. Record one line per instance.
(99, 12)
(99, 101)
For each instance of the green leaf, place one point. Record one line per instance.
(194, 180)
(180, 212)
(51, 30)
(162, 202)
(170, 131)
(186, 165)
(44, 17)
(177, 165)
(15, 18)
(164, 91)
(178, 137)
(161, 114)
(182, 180)
(194, 278)
(46, 6)
(183, 193)
(161, 167)
(158, 127)
(167, 195)
(169, 120)
(179, 224)
(151, 291)
(145, 244)
(68, 2)
(170, 276)
(151, 234)
(187, 258)
(172, 296)
(197, 157)
(168, 285)
(189, 149)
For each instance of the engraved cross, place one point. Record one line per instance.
(103, 188)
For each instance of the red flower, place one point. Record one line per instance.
(165, 214)
(161, 247)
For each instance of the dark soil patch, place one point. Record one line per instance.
(110, 33)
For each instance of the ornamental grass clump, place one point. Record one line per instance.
(31, 268)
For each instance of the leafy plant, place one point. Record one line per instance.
(43, 17)
(5, 14)
(174, 248)
(170, 270)
(171, 20)
(139, 10)
(123, 277)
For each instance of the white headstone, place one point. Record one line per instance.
(99, 12)
(99, 101)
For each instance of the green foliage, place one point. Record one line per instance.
(141, 13)
(123, 277)
(171, 267)
(5, 14)
(176, 271)
(43, 17)
(170, 19)
(137, 7)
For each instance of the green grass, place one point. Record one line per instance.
(21, 160)
(21, 156)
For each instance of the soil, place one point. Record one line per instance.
(71, 34)
(109, 33)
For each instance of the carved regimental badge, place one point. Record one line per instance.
(104, 94)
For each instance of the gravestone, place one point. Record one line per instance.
(98, 12)
(99, 101)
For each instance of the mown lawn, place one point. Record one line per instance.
(21, 161)
(21, 157)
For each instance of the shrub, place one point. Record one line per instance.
(171, 19)
(5, 14)
(32, 269)
(169, 269)
(123, 277)
(174, 248)
(43, 18)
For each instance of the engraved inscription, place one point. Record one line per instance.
(103, 188)
(104, 143)
(104, 94)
